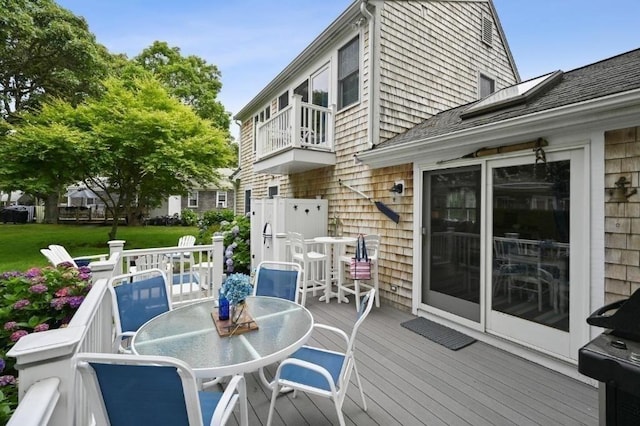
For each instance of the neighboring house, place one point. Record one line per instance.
(550, 207)
(201, 199)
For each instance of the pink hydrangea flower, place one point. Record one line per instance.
(38, 288)
(21, 304)
(10, 325)
(59, 303)
(17, 335)
(41, 327)
(7, 380)
(63, 292)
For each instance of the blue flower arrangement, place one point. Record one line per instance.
(236, 288)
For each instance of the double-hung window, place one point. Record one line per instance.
(192, 199)
(349, 73)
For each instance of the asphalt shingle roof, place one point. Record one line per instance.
(614, 75)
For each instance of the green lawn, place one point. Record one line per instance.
(20, 244)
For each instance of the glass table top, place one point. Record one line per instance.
(189, 334)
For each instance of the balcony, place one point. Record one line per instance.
(297, 139)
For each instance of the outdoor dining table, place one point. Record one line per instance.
(189, 334)
(334, 247)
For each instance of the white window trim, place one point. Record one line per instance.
(224, 203)
(191, 196)
(360, 36)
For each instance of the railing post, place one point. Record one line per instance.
(218, 260)
(117, 246)
(331, 127)
(296, 117)
(49, 354)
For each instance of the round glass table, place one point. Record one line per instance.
(189, 334)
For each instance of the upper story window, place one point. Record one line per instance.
(192, 199)
(349, 73)
(221, 199)
(487, 86)
(283, 101)
(272, 191)
(303, 90)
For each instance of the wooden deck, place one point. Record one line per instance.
(409, 380)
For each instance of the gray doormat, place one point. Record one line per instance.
(445, 336)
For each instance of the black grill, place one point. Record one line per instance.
(613, 358)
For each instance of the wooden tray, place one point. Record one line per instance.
(227, 328)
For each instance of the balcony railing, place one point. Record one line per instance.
(50, 390)
(300, 125)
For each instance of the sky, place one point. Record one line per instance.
(251, 41)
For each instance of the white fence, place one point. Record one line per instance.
(50, 390)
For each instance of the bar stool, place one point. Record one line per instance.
(312, 264)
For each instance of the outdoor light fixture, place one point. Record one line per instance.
(619, 193)
(397, 188)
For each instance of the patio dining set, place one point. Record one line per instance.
(169, 365)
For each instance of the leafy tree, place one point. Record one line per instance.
(135, 145)
(45, 50)
(189, 78)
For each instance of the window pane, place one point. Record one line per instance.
(283, 101)
(320, 88)
(349, 73)
(303, 90)
(487, 86)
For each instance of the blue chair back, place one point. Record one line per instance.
(142, 394)
(277, 283)
(140, 301)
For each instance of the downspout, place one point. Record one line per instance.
(369, 15)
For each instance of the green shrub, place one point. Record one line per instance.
(189, 217)
(237, 243)
(32, 302)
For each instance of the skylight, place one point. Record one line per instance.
(511, 95)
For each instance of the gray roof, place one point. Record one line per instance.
(614, 75)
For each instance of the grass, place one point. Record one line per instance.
(20, 244)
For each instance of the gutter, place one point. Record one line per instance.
(372, 98)
(620, 108)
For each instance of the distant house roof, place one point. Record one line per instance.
(617, 74)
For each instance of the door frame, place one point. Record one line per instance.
(581, 227)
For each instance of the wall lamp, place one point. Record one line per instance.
(619, 194)
(397, 188)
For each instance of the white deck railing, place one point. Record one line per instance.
(296, 126)
(50, 390)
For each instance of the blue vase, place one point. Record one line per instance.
(223, 308)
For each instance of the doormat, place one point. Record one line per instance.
(438, 333)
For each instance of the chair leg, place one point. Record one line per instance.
(364, 401)
(272, 405)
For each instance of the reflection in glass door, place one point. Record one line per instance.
(451, 241)
(531, 242)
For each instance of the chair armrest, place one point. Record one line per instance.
(332, 329)
(228, 398)
(91, 257)
(309, 366)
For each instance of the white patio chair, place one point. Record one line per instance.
(155, 390)
(136, 298)
(355, 287)
(312, 264)
(184, 241)
(51, 256)
(323, 372)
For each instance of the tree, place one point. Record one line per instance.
(45, 51)
(189, 78)
(135, 145)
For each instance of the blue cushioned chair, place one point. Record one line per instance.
(323, 372)
(137, 297)
(153, 390)
(277, 279)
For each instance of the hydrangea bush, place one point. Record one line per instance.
(37, 300)
(236, 288)
(237, 242)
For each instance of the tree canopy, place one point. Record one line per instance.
(45, 51)
(135, 145)
(189, 78)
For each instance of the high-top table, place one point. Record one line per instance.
(189, 334)
(334, 247)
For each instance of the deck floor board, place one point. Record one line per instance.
(410, 380)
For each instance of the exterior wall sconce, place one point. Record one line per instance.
(397, 188)
(619, 194)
